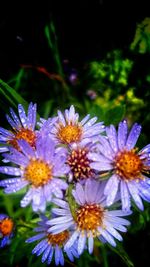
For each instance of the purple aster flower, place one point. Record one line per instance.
(39, 169)
(52, 245)
(126, 165)
(90, 218)
(6, 230)
(23, 127)
(68, 129)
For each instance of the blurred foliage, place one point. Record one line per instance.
(112, 88)
(112, 72)
(141, 42)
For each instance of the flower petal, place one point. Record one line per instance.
(81, 243)
(112, 136)
(122, 134)
(135, 195)
(125, 196)
(133, 136)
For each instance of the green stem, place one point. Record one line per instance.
(50, 33)
(8, 205)
(24, 224)
(104, 254)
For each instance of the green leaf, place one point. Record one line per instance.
(97, 111)
(141, 42)
(114, 115)
(109, 116)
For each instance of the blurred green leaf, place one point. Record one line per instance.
(114, 115)
(141, 42)
(97, 111)
(110, 116)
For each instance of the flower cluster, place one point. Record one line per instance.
(75, 170)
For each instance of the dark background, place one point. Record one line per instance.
(86, 30)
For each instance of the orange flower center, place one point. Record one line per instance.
(58, 239)
(128, 165)
(89, 217)
(69, 133)
(80, 164)
(6, 226)
(26, 134)
(38, 173)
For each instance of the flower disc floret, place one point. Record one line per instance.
(128, 165)
(89, 217)
(26, 134)
(58, 239)
(6, 230)
(38, 172)
(69, 133)
(6, 226)
(79, 163)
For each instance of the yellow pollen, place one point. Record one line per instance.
(128, 165)
(89, 217)
(69, 133)
(80, 164)
(38, 173)
(6, 226)
(58, 239)
(26, 134)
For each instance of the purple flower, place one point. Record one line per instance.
(52, 245)
(39, 170)
(126, 165)
(68, 129)
(23, 127)
(6, 230)
(90, 218)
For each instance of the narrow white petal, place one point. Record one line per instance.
(125, 196)
(71, 240)
(81, 243)
(135, 195)
(90, 244)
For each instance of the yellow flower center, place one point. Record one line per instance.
(6, 226)
(80, 164)
(26, 134)
(38, 173)
(128, 165)
(69, 133)
(89, 217)
(58, 239)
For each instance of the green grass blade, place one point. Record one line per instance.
(11, 96)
